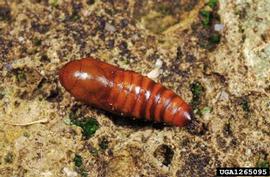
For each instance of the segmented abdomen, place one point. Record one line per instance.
(138, 96)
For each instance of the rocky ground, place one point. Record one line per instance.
(215, 54)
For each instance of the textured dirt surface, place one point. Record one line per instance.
(217, 57)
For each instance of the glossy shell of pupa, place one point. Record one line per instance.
(123, 92)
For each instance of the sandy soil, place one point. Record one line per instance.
(216, 56)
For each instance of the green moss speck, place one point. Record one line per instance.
(37, 42)
(206, 17)
(212, 3)
(78, 161)
(89, 125)
(215, 38)
(206, 110)
(9, 157)
(208, 37)
(75, 17)
(103, 143)
(262, 164)
(67, 121)
(82, 172)
(53, 3)
(196, 89)
(164, 9)
(26, 134)
(94, 151)
(2, 95)
(245, 105)
(20, 76)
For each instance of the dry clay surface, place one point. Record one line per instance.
(216, 56)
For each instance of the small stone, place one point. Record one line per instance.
(154, 73)
(21, 39)
(219, 27)
(8, 66)
(69, 172)
(135, 37)
(158, 63)
(46, 174)
(248, 152)
(224, 96)
(19, 143)
(85, 13)
(109, 27)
